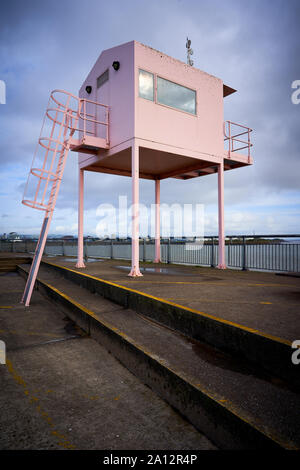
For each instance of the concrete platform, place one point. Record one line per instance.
(258, 300)
(235, 404)
(61, 389)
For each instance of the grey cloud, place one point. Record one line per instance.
(252, 46)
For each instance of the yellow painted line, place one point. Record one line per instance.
(142, 281)
(28, 333)
(5, 306)
(275, 285)
(81, 307)
(221, 401)
(197, 312)
(222, 283)
(76, 395)
(62, 440)
(222, 301)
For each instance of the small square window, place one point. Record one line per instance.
(146, 85)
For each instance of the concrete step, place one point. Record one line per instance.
(60, 389)
(270, 353)
(9, 264)
(224, 397)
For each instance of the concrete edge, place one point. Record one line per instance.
(270, 353)
(221, 422)
(10, 264)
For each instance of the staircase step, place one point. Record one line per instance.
(231, 402)
(270, 353)
(10, 264)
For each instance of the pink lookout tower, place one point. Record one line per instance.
(143, 114)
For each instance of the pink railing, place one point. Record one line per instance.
(65, 115)
(235, 142)
(85, 119)
(60, 122)
(92, 119)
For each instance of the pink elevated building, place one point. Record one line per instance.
(143, 114)
(165, 121)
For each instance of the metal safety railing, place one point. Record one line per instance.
(60, 122)
(267, 253)
(92, 116)
(232, 136)
(65, 115)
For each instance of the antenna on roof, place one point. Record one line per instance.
(189, 52)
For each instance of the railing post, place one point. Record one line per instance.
(248, 145)
(111, 249)
(84, 120)
(229, 139)
(85, 250)
(144, 250)
(212, 263)
(229, 250)
(169, 251)
(107, 125)
(63, 248)
(244, 255)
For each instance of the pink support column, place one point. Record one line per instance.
(157, 221)
(37, 259)
(222, 263)
(80, 262)
(135, 245)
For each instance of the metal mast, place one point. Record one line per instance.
(189, 52)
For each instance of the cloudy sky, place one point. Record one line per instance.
(253, 46)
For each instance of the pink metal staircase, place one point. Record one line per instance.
(65, 115)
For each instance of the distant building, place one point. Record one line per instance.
(13, 236)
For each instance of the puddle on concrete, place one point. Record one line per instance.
(157, 270)
(169, 271)
(231, 362)
(93, 260)
(207, 352)
(221, 359)
(72, 328)
(89, 260)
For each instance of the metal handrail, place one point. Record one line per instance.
(64, 114)
(81, 113)
(92, 118)
(231, 138)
